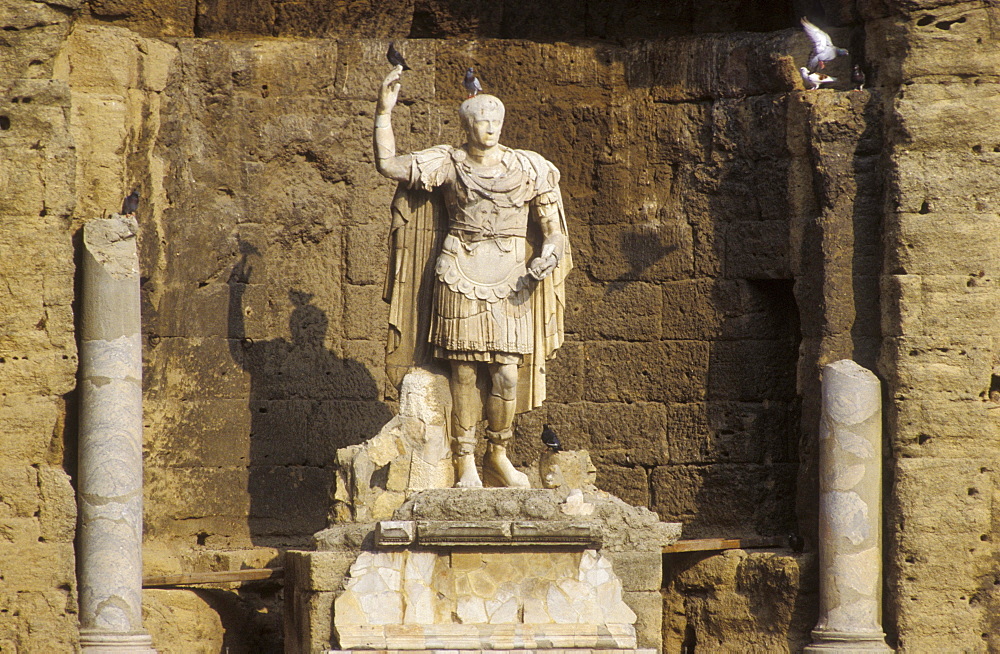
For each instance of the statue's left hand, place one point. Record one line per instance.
(542, 267)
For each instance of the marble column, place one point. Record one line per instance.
(110, 463)
(850, 513)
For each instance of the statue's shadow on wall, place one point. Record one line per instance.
(305, 402)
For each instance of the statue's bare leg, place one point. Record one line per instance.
(464, 416)
(500, 409)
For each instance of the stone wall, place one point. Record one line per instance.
(732, 233)
(38, 356)
(940, 349)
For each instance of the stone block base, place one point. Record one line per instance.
(573, 650)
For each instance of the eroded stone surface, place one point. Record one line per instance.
(476, 590)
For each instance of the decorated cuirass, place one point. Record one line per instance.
(484, 254)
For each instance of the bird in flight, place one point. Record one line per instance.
(395, 57)
(823, 48)
(471, 83)
(131, 203)
(550, 439)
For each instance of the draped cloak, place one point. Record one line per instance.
(420, 223)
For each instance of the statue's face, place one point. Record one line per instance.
(484, 130)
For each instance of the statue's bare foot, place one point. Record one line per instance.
(468, 476)
(499, 471)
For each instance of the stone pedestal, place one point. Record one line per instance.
(484, 569)
(110, 467)
(850, 518)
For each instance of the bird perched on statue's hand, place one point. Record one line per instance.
(858, 77)
(813, 80)
(395, 57)
(131, 203)
(823, 48)
(471, 83)
(550, 439)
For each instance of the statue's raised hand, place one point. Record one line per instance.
(389, 92)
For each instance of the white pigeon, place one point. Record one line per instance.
(823, 48)
(813, 80)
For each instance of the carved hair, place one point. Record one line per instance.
(477, 107)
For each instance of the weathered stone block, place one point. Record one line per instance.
(659, 251)
(740, 601)
(633, 432)
(953, 44)
(321, 571)
(743, 498)
(57, 510)
(567, 374)
(746, 432)
(623, 311)
(717, 309)
(286, 501)
(29, 423)
(757, 249)
(683, 132)
(752, 128)
(963, 490)
(630, 483)
(668, 371)
(639, 571)
(648, 608)
(224, 428)
(712, 67)
(939, 182)
(961, 304)
(202, 367)
(52, 567)
(751, 371)
(182, 620)
(932, 367)
(364, 370)
(367, 253)
(959, 244)
(365, 314)
(20, 496)
(957, 622)
(902, 303)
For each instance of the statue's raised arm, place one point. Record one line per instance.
(386, 161)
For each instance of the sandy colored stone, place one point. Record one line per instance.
(182, 621)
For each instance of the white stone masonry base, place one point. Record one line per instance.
(572, 650)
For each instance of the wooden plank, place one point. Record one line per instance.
(702, 545)
(225, 576)
(714, 544)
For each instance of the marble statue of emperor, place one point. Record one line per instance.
(477, 264)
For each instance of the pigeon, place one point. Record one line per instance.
(796, 543)
(131, 203)
(550, 439)
(823, 48)
(858, 77)
(471, 83)
(813, 80)
(395, 57)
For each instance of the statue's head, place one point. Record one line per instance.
(482, 117)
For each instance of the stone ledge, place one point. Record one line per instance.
(409, 637)
(451, 533)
